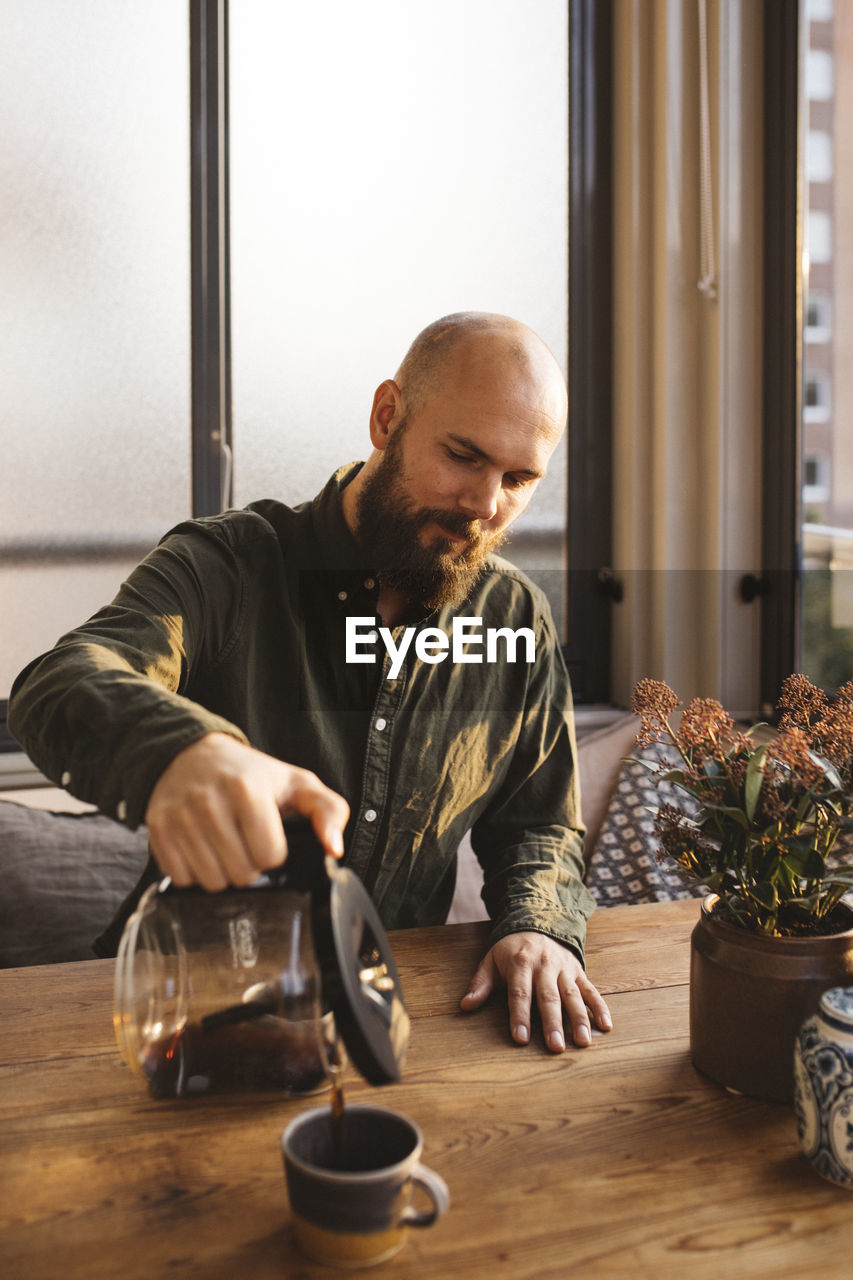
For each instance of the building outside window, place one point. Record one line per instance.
(818, 317)
(827, 432)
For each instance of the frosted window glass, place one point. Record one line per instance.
(390, 163)
(94, 270)
(43, 598)
(94, 302)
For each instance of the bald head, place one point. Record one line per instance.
(466, 346)
(461, 436)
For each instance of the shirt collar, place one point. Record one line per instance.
(350, 578)
(338, 547)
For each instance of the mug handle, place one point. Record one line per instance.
(436, 1189)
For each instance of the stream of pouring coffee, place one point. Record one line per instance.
(336, 1066)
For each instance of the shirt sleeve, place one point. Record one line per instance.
(529, 840)
(104, 712)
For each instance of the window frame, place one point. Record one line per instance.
(592, 588)
(782, 357)
(210, 250)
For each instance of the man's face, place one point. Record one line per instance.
(451, 480)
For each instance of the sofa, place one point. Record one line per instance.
(67, 868)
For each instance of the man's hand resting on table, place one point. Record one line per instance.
(214, 815)
(531, 964)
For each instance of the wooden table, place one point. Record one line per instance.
(618, 1160)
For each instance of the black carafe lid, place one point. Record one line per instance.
(361, 984)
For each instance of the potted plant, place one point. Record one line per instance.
(760, 821)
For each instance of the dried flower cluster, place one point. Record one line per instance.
(770, 812)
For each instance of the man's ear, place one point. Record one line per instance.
(387, 409)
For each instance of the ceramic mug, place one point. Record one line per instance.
(823, 1086)
(350, 1187)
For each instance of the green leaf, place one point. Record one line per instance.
(799, 844)
(805, 862)
(766, 894)
(840, 875)
(754, 779)
(651, 765)
(671, 775)
(829, 771)
(805, 810)
(730, 812)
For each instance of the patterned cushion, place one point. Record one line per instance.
(623, 867)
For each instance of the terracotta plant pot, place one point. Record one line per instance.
(749, 995)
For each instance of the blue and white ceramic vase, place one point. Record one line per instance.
(823, 1086)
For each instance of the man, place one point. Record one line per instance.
(236, 677)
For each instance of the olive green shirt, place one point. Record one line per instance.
(238, 623)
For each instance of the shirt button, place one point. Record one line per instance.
(370, 583)
(121, 811)
(380, 724)
(342, 595)
(65, 779)
(370, 815)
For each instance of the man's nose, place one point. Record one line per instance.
(480, 498)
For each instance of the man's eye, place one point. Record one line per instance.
(460, 457)
(514, 482)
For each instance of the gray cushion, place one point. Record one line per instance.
(63, 877)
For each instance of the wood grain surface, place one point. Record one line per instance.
(619, 1160)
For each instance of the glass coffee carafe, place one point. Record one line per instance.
(264, 988)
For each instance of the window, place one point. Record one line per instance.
(392, 202)
(817, 398)
(819, 159)
(819, 75)
(820, 237)
(818, 317)
(334, 273)
(826, 632)
(816, 472)
(94, 271)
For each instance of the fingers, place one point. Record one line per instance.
(538, 969)
(260, 833)
(481, 985)
(519, 998)
(328, 811)
(596, 1003)
(214, 815)
(575, 1006)
(550, 1004)
(578, 998)
(172, 862)
(206, 841)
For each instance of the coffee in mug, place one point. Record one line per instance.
(350, 1183)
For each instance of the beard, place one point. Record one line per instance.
(388, 527)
